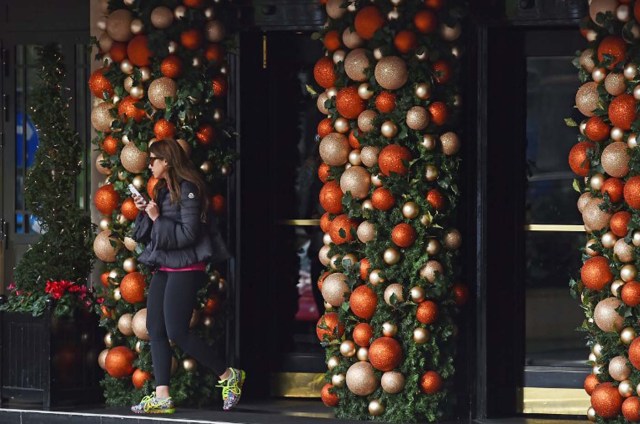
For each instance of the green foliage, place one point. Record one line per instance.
(63, 250)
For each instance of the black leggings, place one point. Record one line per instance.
(170, 302)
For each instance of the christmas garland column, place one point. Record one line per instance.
(606, 155)
(389, 148)
(164, 77)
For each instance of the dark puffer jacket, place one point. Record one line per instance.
(177, 238)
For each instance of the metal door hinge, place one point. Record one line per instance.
(264, 51)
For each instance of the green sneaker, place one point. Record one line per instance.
(152, 405)
(232, 388)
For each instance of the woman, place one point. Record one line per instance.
(178, 245)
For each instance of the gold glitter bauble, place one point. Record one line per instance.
(357, 181)
(615, 83)
(356, 63)
(452, 239)
(133, 159)
(594, 217)
(619, 369)
(615, 159)
(351, 39)
(606, 317)
(393, 289)
(623, 251)
(392, 382)
(450, 143)
(586, 60)
(101, 117)
(125, 324)
(139, 324)
(214, 31)
(369, 155)
(103, 248)
(102, 357)
(335, 289)
(391, 72)
(159, 89)
(334, 149)
(119, 25)
(583, 200)
(130, 244)
(385, 353)
(417, 118)
(587, 98)
(361, 379)
(366, 231)
(104, 170)
(334, 9)
(431, 270)
(602, 6)
(366, 120)
(161, 17)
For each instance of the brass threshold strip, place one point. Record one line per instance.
(300, 222)
(556, 228)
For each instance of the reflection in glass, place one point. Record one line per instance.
(551, 257)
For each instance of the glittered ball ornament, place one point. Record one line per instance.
(630, 293)
(342, 228)
(329, 326)
(159, 90)
(139, 324)
(128, 209)
(450, 143)
(403, 235)
(615, 83)
(385, 102)
(119, 25)
(361, 379)
(392, 382)
(393, 158)
(106, 199)
(391, 72)
(369, 155)
(99, 84)
(606, 401)
(594, 217)
(430, 382)
(382, 199)
(101, 117)
(139, 377)
(417, 118)
(427, 312)
(590, 383)
(631, 192)
(363, 302)
(124, 324)
(606, 317)
(587, 98)
(366, 231)
(442, 71)
(613, 46)
(132, 287)
(357, 181)
(393, 294)
(127, 109)
(355, 64)
(103, 165)
(324, 72)
(622, 111)
(366, 121)
(329, 398)
(161, 17)
(171, 66)
(119, 362)
(138, 51)
(618, 368)
(133, 159)
(385, 353)
(405, 41)
(615, 159)
(348, 103)
(596, 129)
(334, 149)
(623, 251)
(362, 334)
(334, 9)
(439, 113)
(586, 60)
(368, 21)
(595, 273)
(163, 129)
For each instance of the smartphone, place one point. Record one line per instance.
(134, 190)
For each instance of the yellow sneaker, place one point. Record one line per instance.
(152, 405)
(232, 388)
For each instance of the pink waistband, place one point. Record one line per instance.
(200, 266)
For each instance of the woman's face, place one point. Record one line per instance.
(158, 166)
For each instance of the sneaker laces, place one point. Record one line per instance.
(229, 385)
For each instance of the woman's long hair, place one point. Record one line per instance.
(180, 168)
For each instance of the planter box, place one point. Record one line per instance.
(49, 362)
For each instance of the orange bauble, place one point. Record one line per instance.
(590, 383)
(434, 4)
(596, 129)
(214, 52)
(595, 273)
(324, 73)
(106, 199)
(325, 222)
(110, 145)
(622, 111)
(106, 312)
(606, 400)
(442, 71)
(614, 188)
(342, 229)
(171, 66)
(119, 362)
(365, 267)
(368, 21)
(129, 209)
(219, 86)
(631, 192)
(150, 186)
(363, 302)
(630, 293)
(127, 109)
(329, 326)
(405, 41)
(614, 46)
(436, 199)
(430, 382)
(362, 334)
(403, 235)
(631, 406)
(331, 40)
(634, 353)
(164, 129)
(193, 3)
(138, 51)
(139, 377)
(393, 159)
(386, 102)
(328, 398)
(578, 160)
(191, 39)
(322, 278)
(99, 84)
(104, 279)
(118, 51)
(212, 305)
(349, 103)
(353, 140)
(427, 312)
(460, 293)
(205, 134)
(425, 21)
(385, 353)
(382, 199)
(619, 223)
(218, 204)
(324, 172)
(439, 113)
(331, 197)
(132, 287)
(325, 127)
